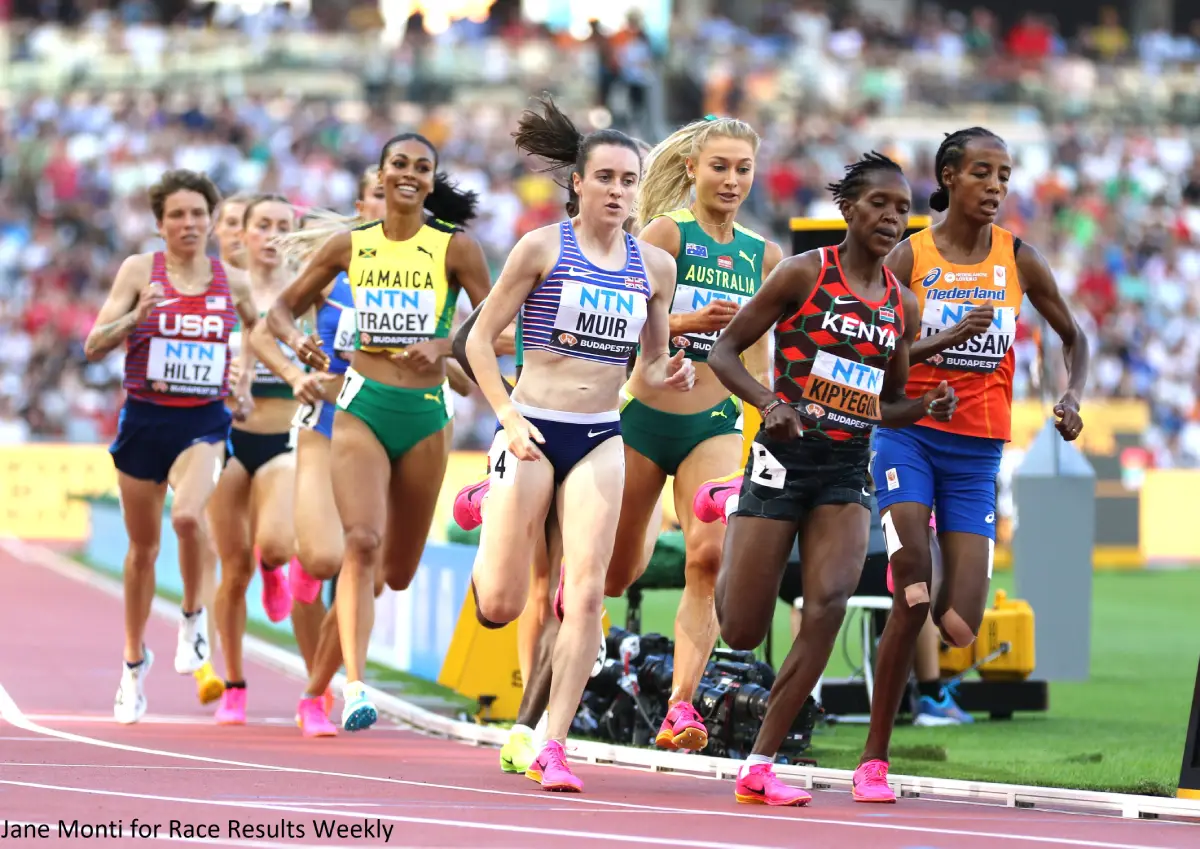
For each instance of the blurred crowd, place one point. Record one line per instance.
(1108, 189)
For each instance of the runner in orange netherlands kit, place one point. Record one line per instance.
(844, 325)
(970, 277)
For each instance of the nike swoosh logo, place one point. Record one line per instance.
(572, 271)
(168, 302)
(592, 435)
(865, 493)
(844, 299)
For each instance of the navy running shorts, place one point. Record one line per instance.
(150, 437)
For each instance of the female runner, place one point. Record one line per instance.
(390, 438)
(318, 526)
(587, 292)
(251, 508)
(697, 436)
(174, 310)
(841, 364)
(228, 232)
(969, 277)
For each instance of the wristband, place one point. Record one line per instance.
(766, 411)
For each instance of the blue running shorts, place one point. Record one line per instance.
(150, 437)
(952, 473)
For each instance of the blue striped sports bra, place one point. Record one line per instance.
(587, 312)
(336, 325)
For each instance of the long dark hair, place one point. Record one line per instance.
(447, 201)
(552, 136)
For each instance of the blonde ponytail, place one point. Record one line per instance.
(665, 184)
(319, 225)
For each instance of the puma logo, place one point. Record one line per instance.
(437, 397)
(718, 414)
(748, 259)
(424, 251)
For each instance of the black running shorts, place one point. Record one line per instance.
(787, 480)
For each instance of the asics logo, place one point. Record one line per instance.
(198, 645)
(748, 259)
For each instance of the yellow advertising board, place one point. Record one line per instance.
(38, 481)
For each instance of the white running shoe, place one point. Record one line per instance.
(130, 703)
(192, 649)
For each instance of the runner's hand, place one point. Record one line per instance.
(309, 353)
(309, 388)
(715, 316)
(940, 403)
(522, 436)
(977, 321)
(148, 299)
(1069, 423)
(681, 374)
(783, 423)
(422, 356)
(243, 408)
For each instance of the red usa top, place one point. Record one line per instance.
(178, 356)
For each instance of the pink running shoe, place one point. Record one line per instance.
(551, 771)
(870, 783)
(890, 584)
(468, 504)
(313, 719)
(276, 595)
(305, 588)
(232, 709)
(759, 785)
(709, 503)
(682, 729)
(327, 701)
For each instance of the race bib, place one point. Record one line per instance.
(393, 318)
(307, 416)
(842, 392)
(983, 353)
(343, 338)
(598, 320)
(183, 367)
(690, 299)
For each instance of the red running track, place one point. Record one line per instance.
(66, 759)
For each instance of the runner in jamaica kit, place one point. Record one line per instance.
(841, 363)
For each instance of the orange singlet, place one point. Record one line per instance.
(981, 369)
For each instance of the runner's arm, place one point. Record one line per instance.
(758, 356)
(1045, 296)
(659, 365)
(523, 270)
(895, 408)
(121, 311)
(790, 283)
(459, 346)
(302, 294)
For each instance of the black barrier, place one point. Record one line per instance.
(811, 233)
(1189, 773)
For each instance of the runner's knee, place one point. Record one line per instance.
(274, 552)
(742, 633)
(322, 562)
(824, 610)
(142, 556)
(186, 523)
(362, 544)
(493, 613)
(954, 629)
(703, 563)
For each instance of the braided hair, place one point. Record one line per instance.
(848, 189)
(950, 155)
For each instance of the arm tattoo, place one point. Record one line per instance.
(107, 337)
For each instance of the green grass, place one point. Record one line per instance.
(1122, 730)
(429, 694)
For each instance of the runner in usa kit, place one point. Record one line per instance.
(843, 330)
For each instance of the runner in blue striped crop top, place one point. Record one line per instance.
(588, 294)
